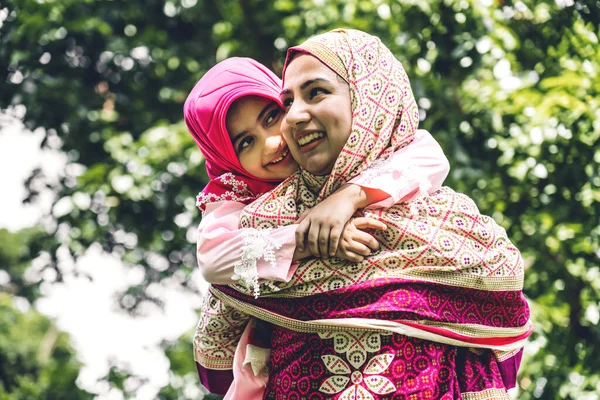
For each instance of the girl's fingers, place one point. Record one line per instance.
(366, 240)
(301, 234)
(369, 223)
(358, 248)
(313, 240)
(324, 241)
(350, 256)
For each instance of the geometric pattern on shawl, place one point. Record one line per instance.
(205, 114)
(449, 242)
(217, 334)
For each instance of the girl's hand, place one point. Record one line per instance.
(320, 228)
(355, 244)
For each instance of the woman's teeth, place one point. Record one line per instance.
(283, 155)
(309, 138)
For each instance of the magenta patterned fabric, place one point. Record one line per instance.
(433, 314)
(402, 368)
(396, 299)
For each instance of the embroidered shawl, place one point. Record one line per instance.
(446, 273)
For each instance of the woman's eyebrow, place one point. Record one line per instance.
(305, 85)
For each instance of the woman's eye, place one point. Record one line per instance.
(245, 142)
(287, 103)
(317, 91)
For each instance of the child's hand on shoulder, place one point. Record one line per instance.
(320, 228)
(356, 244)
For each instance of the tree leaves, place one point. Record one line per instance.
(509, 89)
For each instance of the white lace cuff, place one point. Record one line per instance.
(257, 244)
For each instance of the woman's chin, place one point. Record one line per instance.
(318, 168)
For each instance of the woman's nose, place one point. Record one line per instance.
(297, 114)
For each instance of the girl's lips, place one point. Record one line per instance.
(285, 155)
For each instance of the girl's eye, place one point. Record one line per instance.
(272, 116)
(287, 103)
(245, 142)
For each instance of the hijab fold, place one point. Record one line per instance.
(205, 114)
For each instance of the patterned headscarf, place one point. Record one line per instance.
(385, 115)
(205, 113)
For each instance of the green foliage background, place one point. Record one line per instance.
(510, 89)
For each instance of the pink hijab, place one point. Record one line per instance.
(205, 113)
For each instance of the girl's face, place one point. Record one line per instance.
(318, 113)
(253, 124)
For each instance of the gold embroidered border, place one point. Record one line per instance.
(212, 363)
(472, 330)
(325, 55)
(348, 325)
(459, 279)
(489, 394)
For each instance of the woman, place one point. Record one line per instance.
(234, 115)
(438, 312)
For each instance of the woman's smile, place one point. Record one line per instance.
(309, 141)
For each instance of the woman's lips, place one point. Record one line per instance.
(310, 141)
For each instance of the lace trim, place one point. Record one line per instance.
(257, 244)
(239, 192)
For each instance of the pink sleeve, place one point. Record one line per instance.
(220, 243)
(421, 166)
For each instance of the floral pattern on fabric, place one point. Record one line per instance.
(448, 242)
(232, 190)
(374, 382)
(404, 368)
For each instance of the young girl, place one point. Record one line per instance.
(447, 277)
(234, 115)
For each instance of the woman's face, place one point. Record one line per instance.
(253, 124)
(318, 113)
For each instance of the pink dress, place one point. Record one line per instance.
(418, 168)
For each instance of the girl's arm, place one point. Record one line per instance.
(222, 246)
(227, 254)
(420, 167)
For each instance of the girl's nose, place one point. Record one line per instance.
(273, 143)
